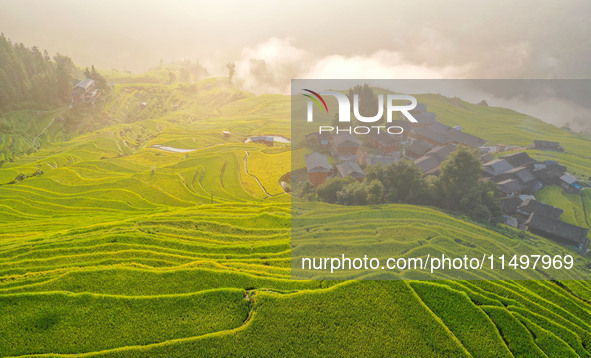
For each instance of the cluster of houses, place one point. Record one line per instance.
(518, 177)
(429, 143)
(527, 213)
(518, 173)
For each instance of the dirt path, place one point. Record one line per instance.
(255, 178)
(43, 131)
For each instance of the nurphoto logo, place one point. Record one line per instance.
(344, 111)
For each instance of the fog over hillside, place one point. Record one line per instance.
(272, 42)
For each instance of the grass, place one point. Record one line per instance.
(75, 323)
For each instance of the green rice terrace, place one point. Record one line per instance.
(157, 235)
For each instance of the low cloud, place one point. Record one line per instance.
(269, 66)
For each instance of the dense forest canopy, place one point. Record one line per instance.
(31, 77)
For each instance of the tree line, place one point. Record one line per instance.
(458, 187)
(30, 76)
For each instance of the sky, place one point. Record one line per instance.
(274, 41)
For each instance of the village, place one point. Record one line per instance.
(429, 143)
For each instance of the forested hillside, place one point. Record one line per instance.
(31, 78)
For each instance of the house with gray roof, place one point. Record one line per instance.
(520, 173)
(350, 168)
(520, 159)
(84, 91)
(318, 168)
(511, 187)
(427, 164)
(417, 149)
(344, 144)
(558, 230)
(442, 152)
(546, 145)
(570, 183)
(496, 167)
(469, 140)
(530, 206)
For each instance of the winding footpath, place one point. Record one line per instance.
(255, 178)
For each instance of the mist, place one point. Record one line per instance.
(273, 42)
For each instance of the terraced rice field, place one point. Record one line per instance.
(128, 251)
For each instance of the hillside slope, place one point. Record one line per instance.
(120, 248)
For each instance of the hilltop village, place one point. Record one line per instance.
(429, 143)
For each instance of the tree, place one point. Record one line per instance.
(306, 191)
(354, 193)
(63, 83)
(404, 183)
(375, 192)
(231, 70)
(99, 81)
(459, 176)
(30, 75)
(328, 191)
(459, 189)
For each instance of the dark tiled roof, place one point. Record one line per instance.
(558, 229)
(386, 139)
(557, 171)
(535, 185)
(542, 173)
(544, 144)
(440, 127)
(539, 208)
(433, 135)
(510, 186)
(466, 139)
(441, 152)
(427, 163)
(418, 148)
(510, 204)
(519, 159)
(497, 167)
(521, 173)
